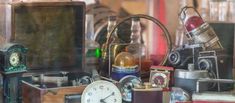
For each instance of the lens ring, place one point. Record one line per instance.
(174, 57)
(204, 64)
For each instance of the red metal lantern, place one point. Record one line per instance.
(199, 31)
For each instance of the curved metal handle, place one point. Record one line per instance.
(182, 17)
(183, 11)
(164, 29)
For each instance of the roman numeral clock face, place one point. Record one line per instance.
(101, 92)
(14, 59)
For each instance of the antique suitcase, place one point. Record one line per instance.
(213, 97)
(53, 32)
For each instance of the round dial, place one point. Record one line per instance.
(101, 92)
(127, 83)
(14, 59)
(159, 80)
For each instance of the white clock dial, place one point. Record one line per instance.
(14, 59)
(101, 92)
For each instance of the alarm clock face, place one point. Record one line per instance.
(101, 92)
(14, 59)
(159, 80)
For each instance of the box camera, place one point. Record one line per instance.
(182, 56)
(219, 65)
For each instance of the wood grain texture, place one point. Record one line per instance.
(57, 95)
(32, 94)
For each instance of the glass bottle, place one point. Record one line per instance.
(92, 48)
(214, 9)
(180, 37)
(223, 10)
(116, 45)
(111, 48)
(136, 48)
(231, 14)
(204, 9)
(105, 47)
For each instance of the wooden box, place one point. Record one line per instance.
(33, 94)
(53, 32)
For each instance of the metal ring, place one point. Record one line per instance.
(164, 29)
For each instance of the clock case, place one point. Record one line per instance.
(29, 90)
(5, 53)
(161, 71)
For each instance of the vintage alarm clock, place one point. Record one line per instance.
(178, 95)
(13, 58)
(101, 92)
(127, 83)
(160, 76)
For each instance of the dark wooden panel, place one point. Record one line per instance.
(30, 94)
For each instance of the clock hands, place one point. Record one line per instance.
(102, 100)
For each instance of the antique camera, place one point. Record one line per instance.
(219, 66)
(182, 56)
(127, 83)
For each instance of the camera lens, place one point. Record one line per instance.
(174, 57)
(204, 64)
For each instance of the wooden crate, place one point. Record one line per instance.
(34, 94)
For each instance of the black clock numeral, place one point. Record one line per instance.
(88, 100)
(101, 87)
(89, 93)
